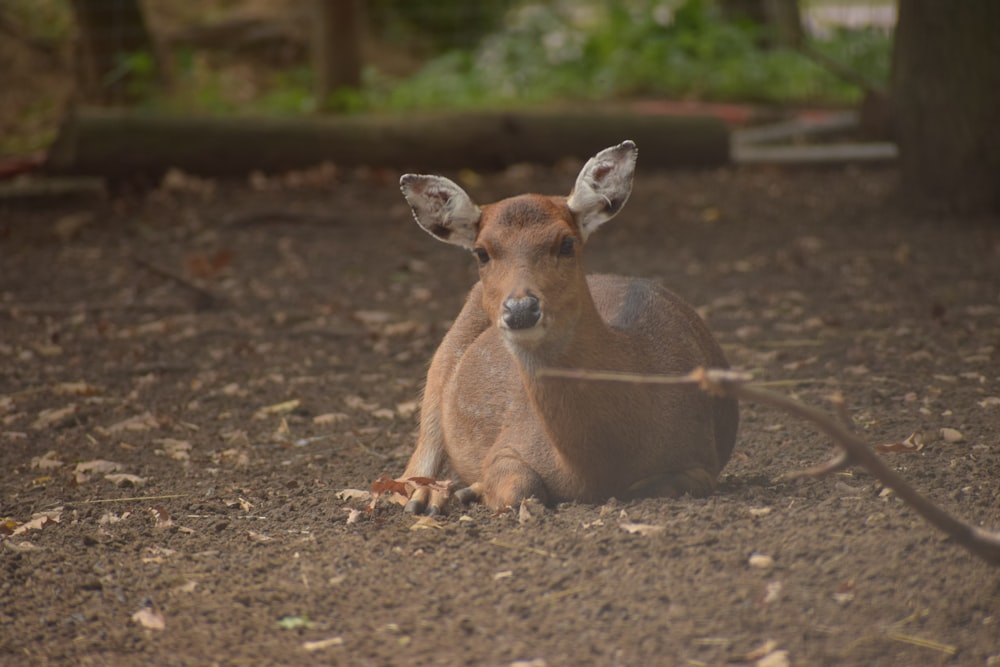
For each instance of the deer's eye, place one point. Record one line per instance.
(481, 255)
(568, 247)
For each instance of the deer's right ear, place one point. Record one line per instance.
(603, 187)
(442, 208)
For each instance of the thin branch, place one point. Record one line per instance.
(985, 544)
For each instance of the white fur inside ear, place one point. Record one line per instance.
(442, 208)
(603, 186)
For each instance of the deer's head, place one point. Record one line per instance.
(528, 247)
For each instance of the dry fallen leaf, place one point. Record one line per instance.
(801, 363)
(142, 422)
(277, 409)
(161, 517)
(85, 469)
(760, 561)
(353, 494)
(373, 318)
(259, 538)
(331, 418)
(38, 521)
(756, 654)
(53, 416)
(774, 659)
(179, 450)
(772, 591)
(294, 622)
(48, 460)
(845, 592)
(321, 644)
(125, 479)
(150, 617)
(913, 443)
(110, 518)
(529, 510)
(358, 403)
(47, 350)
(69, 225)
(155, 554)
(425, 522)
(407, 409)
(386, 484)
(644, 529)
(401, 489)
(186, 587)
(207, 266)
(232, 456)
(404, 328)
(76, 389)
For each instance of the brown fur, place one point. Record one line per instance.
(514, 434)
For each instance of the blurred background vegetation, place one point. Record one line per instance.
(225, 57)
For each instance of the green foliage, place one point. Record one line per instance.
(510, 53)
(443, 24)
(582, 51)
(46, 22)
(138, 70)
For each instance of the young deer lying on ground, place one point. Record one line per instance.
(510, 433)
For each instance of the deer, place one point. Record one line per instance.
(509, 431)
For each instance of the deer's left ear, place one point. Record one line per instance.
(603, 186)
(442, 208)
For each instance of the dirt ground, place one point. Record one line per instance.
(190, 379)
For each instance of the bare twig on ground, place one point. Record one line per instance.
(16, 310)
(982, 543)
(205, 297)
(280, 217)
(95, 501)
(840, 461)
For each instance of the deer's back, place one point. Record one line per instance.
(667, 330)
(670, 338)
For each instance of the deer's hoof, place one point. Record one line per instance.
(470, 494)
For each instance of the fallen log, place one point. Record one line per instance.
(125, 144)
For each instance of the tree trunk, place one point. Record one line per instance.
(946, 103)
(336, 49)
(118, 61)
(782, 17)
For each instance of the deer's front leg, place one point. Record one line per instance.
(430, 456)
(426, 462)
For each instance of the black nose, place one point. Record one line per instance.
(522, 313)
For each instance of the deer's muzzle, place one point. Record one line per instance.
(521, 313)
